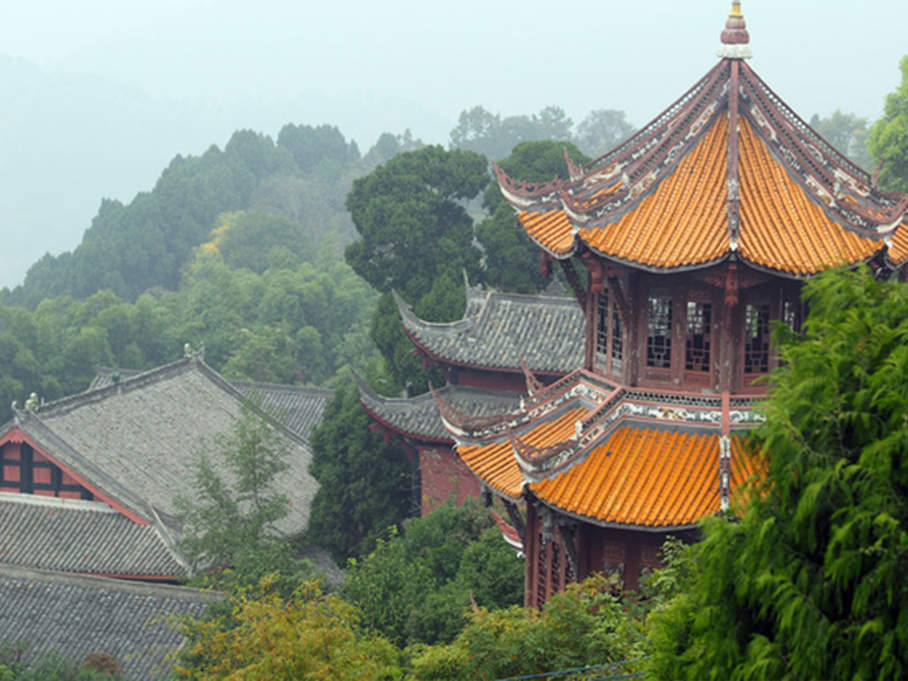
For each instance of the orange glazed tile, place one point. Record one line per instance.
(899, 251)
(495, 464)
(646, 477)
(552, 230)
(781, 227)
(684, 221)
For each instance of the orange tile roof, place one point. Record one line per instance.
(495, 463)
(552, 230)
(899, 250)
(684, 221)
(783, 229)
(646, 477)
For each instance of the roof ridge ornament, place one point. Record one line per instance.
(735, 39)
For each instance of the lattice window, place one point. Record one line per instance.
(556, 566)
(616, 341)
(602, 325)
(791, 314)
(756, 339)
(659, 335)
(697, 339)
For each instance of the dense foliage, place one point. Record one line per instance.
(230, 521)
(811, 582)
(889, 136)
(365, 484)
(306, 636)
(585, 625)
(417, 585)
(16, 666)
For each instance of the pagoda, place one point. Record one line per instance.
(682, 246)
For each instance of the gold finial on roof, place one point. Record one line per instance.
(735, 9)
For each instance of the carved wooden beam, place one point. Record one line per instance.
(567, 539)
(516, 520)
(574, 280)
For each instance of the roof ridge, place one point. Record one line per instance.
(282, 386)
(70, 402)
(407, 314)
(113, 584)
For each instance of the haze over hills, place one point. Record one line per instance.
(71, 140)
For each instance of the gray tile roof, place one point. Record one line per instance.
(137, 438)
(135, 442)
(418, 416)
(70, 535)
(299, 408)
(74, 615)
(499, 329)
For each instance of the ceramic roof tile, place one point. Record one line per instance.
(646, 477)
(299, 407)
(783, 229)
(684, 220)
(552, 230)
(81, 536)
(546, 331)
(73, 616)
(803, 206)
(899, 250)
(495, 463)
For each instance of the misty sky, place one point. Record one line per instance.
(200, 69)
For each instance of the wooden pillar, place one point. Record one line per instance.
(727, 351)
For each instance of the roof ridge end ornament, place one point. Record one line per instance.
(735, 39)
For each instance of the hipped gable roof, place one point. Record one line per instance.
(135, 440)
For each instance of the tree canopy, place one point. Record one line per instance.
(511, 259)
(365, 484)
(417, 585)
(811, 582)
(889, 136)
(410, 216)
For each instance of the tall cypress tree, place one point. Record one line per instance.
(811, 582)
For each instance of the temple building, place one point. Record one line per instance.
(88, 483)
(682, 246)
(485, 357)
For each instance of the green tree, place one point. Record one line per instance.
(584, 625)
(847, 133)
(365, 484)
(306, 636)
(486, 133)
(889, 136)
(810, 583)
(416, 586)
(411, 221)
(231, 519)
(511, 259)
(601, 131)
